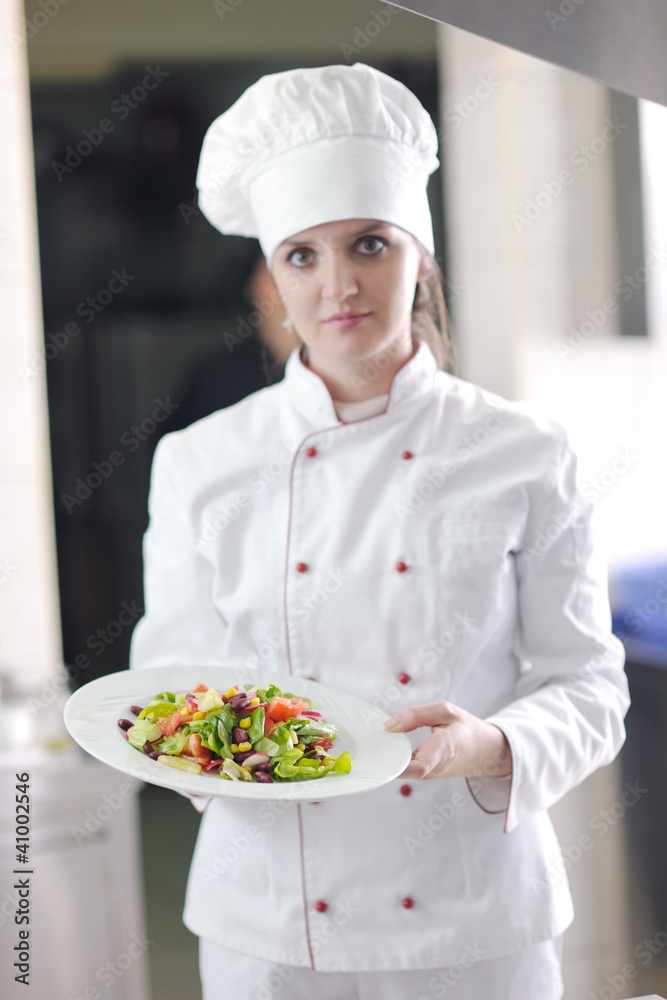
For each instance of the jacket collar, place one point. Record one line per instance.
(310, 395)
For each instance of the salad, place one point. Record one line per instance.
(257, 735)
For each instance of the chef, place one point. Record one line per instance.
(380, 525)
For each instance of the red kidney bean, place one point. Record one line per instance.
(154, 754)
(148, 747)
(125, 724)
(239, 735)
(241, 756)
(263, 767)
(263, 777)
(136, 709)
(240, 701)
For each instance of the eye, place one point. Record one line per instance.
(371, 245)
(300, 257)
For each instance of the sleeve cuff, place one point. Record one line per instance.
(491, 794)
(199, 801)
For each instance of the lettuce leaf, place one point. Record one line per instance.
(157, 709)
(140, 733)
(286, 769)
(172, 744)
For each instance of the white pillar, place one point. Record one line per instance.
(30, 639)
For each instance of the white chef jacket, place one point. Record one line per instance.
(437, 550)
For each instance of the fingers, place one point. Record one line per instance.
(435, 713)
(431, 759)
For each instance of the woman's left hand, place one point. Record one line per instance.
(460, 745)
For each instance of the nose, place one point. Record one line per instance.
(339, 280)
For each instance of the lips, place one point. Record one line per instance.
(346, 315)
(345, 321)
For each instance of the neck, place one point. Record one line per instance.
(352, 381)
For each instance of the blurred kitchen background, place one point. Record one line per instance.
(126, 315)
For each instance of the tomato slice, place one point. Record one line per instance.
(193, 750)
(170, 724)
(282, 709)
(200, 687)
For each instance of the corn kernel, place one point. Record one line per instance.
(244, 724)
(244, 746)
(327, 760)
(230, 693)
(185, 710)
(321, 768)
(197, 715)
(254, 702)
(246, 767)
(300, 746)
(235, 748)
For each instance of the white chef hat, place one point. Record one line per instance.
(309, 146)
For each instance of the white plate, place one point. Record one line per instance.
(92, 713)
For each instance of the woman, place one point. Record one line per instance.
(387, 528)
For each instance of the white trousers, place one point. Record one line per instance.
(531, 974)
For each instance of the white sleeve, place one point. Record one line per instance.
(570, 702)
(180, 624)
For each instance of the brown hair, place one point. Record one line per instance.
(430, 319)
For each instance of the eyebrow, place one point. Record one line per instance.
(375, 225)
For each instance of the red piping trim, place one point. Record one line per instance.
(288, 653)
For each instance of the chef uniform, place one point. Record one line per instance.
(429, 544)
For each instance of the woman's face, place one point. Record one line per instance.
(349, 286)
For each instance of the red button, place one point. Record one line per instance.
(404, 678)
(301, 567)
(401, 567)
(408, 903)
(314, 803)
(406, 790)
(311, 452)
(320, 906)
(310, 678)
(407, 454)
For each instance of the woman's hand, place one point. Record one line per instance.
(460, 745)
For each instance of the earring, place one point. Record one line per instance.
(288, 324)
